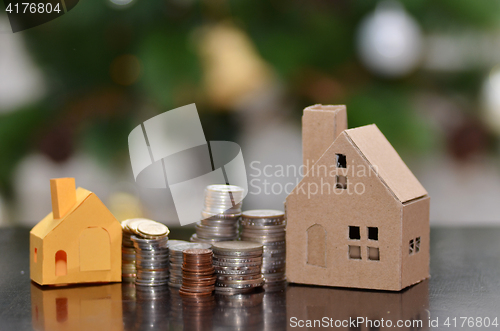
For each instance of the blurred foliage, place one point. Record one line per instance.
(299, 39)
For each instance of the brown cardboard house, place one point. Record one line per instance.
(359, 217)
(78, 242)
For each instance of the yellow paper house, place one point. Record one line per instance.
(78, 242)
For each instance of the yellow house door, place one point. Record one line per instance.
(95, 250)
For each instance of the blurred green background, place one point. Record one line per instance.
(425, 72)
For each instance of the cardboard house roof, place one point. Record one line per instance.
(389, 166)
(45, 226)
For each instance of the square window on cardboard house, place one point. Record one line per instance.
(373, 254)
(372, 233)
(341, 182)
(355, 252)
(354, 233)
(341, 160)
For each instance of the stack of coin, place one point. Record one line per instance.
(268, 228)
(128, 253)
(198, 276)
(220, 215)
(238, 266)
(173, 242)
(177, 259)
(150, 241)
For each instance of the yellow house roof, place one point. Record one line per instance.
(48, 224)
(387, 162)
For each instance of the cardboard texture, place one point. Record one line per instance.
(77, 308)
(320, 126)
(83, 245)
(351, 219)
(306, 303)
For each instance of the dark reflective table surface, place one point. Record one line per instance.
(465, 283)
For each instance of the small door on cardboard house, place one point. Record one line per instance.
(95, 249)
(316, 245)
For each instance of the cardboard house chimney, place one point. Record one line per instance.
(359, 217)
(78, 242)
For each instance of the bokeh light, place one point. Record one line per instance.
(125, 69)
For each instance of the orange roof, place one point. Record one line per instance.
(45, 226)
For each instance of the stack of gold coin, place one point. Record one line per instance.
(198, 276)
(267, 227)
(176, 260)
(238, 266)
(150, 241)
(128, 253)
(220, 215)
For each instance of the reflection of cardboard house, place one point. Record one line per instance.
(313, 303)
(359, 217)
(79, 242)
(77, 308)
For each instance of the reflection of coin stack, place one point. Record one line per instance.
(129, 305)
(152, 312)
(268, 228)
(128, 253)
(220, 215)
(177, 258)
(176, 320)
(239, 312)
(238, 266)
(274, 307)
(150, 241)
(198, 312)
(198, 276)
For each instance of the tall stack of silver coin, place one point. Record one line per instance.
(128, 254)
(177, 259)
(237, 266)
(150, 241)
(267, 227)
(220, 215)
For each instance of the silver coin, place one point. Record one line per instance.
(182, 247)
(172, 242)
(222, 259)
(263, 213)
(222, 277)
(237, 270)
(240, 246)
